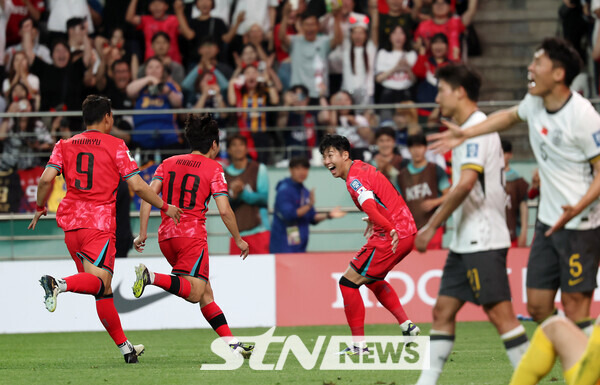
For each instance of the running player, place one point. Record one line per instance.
(475, 269)
(564, 132)
(189, 181)
(93, 163)
(578, 356)
(390, 232)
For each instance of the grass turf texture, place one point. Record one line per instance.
(175, 356)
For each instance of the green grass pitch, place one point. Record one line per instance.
(175, 356)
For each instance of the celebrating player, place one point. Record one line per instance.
(564, 132)
(92, 163)
(390, 232)
(475, 269)
(189, 181)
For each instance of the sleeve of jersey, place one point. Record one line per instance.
(588, 134)
(369, 206)
(524, 107)
(474, 155)
(218, 184)
(56, 159)
(159, 173)
(125, 163)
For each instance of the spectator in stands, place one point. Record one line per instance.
(255, 55)
(516, 204)
(22, 137)
(429, 60)
(309, 52)
(157, 21)
(387, 159)
(294, 211)
(398, 16)
(424, 186)
(353, 126)
(221, 10)
(161, 45)
(261, 12)
(393, 69)
(18, 10)
(63, 10)
(358, 57)
(19, 73)
(251, 91)
(336, 57)
(208, 95)
(256, 36)
(443, 22)
(154, 92)
(114, 86)
(284, 71)
(39, 50)
(248, 184)
(205, 25)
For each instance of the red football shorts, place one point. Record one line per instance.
(97, 247)
(375, 259)
(187, 256)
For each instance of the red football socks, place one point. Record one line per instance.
(109, 317)
(388, 297)
(355, 311)
(179, 286)
(84, 283)
(215, 317)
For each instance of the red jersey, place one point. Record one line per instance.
(452, 29)
(93, 164)
(365, 182)
(149, 25)
(188, 183)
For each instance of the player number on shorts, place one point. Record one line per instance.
(88, 171)
(575, 266)
(473, 276)
(193, 190)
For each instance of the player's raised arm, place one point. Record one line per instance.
(140, 241)
(141, 188)
(228, 218)
(44, 186)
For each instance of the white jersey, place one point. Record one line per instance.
(480, 220)
(564, 142)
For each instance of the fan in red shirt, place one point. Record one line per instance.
(189, 181)
(93, 163)
(390, 231)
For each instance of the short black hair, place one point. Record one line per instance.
(236, 136)
(299, 161)
(308, 15)
(563, 55)
(460, 75)
(160, 34)
(117, 62)
(416, 140)
(23, 20)
(338, 142)
(208, 40)
(439, 37)
(385, 130)
(74, 22)
(95, 108)
(299, 87)
(201, 130)
(506, 146)
(59, 41)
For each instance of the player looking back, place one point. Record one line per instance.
(189, 181)
(564, 133)
(92, 163)
(390, 232)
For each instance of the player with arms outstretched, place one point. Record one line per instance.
(189, 181)
(390, 232)
(93, 163)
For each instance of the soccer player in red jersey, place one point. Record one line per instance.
(390, 231)
(189, 181)
(93, 163)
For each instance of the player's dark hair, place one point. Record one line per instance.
(506, 146)
(460, 75)
(563, 55)
(338, 142)
(95, 108)
(160, 34)
(201, 130)
(385, 130)
(416, 140)
(236, 136)
(299, 161)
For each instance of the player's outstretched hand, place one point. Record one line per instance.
(175, 213)
(369, 229)
(423, 237)
(445, 141)
(395, 240)
(243, 246)
(36, 218)
(139, 242)
(568, 213)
